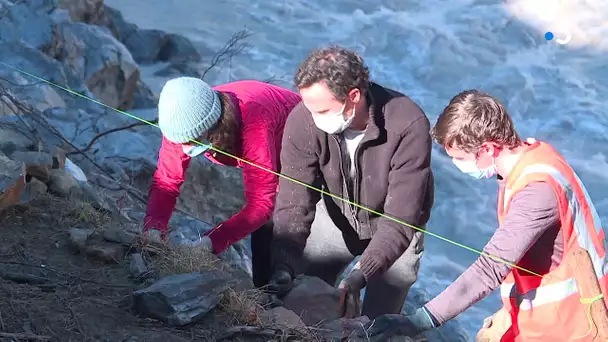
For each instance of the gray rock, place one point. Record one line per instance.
(37, 164)
(120, 235)
(13, 139)
(5, 4)
(105, 251)
(243, 281)
(32, 94)
(33, 189)
(110, 71)
(182, 299)
(114, 21)
(12, 182)
(144, 97)
(86, 11)
(145, 45)
(281, 317)
(138, 266)
(188, 233)
(79, 237)
(30, 22)
(150, 46)
(314, 300)
(343, 328)
(178, 49)
(179, 69)
(62, 183)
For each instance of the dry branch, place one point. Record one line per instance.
(24, 336)
(234, 46)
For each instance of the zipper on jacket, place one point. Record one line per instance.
(351, 208)
(356, 190)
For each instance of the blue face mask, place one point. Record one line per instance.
(471, 169)
(196, 150)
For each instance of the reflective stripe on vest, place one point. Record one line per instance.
(558, 291)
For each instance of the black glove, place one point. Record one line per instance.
(281, 281)
(391, 325)
(350, 294)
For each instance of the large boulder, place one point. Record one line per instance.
(106, 65)
(149, 46)
(80, 52)
(116, 23)
(314, 300)
(19, 91)
(182, 298)
(86, 11)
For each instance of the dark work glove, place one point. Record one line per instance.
(281, 281)
(350, 294)
(391, 325)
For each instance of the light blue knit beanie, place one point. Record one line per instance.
(187, 108)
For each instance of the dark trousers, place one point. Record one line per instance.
(260, 254)
(327, 255)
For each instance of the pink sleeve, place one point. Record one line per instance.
(260, 186)
(166, 182)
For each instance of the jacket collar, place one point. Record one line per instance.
(376, 112)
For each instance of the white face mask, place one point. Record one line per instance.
(195, 150)
(333, 123)
(471, 169)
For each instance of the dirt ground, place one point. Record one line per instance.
(48, 292)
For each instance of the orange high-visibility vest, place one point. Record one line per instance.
(548, 308)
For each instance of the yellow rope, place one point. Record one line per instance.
(590, 301)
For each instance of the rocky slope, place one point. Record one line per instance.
(73, 183)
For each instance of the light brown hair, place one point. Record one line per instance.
(473, 118)
(223, 135)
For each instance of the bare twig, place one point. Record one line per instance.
(20, 85)
(234, 46)
(102, 134)
(24, 336)
(23, 278)
(139, 194)
(75, 318)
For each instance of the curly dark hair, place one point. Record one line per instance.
(224, 133)
(341, 69)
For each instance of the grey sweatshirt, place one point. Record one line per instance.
(529, 236)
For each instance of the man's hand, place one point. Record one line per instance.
(391, 325)
(281, 282)
(350, 294)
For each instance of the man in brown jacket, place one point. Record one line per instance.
(369, 145)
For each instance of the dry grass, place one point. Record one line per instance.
(242, 307)
(83, 299)
(74, 212)
(178, 260)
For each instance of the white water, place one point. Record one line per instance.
(431, 50)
